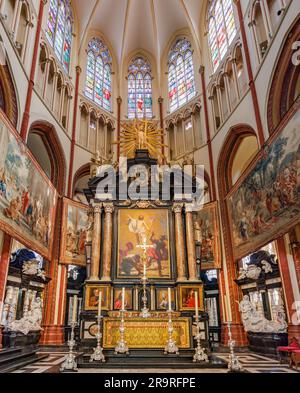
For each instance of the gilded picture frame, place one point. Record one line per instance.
(91, 299)
(187, 297)
(136, 226)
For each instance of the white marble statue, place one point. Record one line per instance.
(31, 322)
(255, 321)
(31, 268)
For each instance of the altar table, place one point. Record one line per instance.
(149, 333)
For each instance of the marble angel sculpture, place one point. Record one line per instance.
(255, 321)
(31, 322)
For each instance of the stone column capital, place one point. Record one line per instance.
(108, 208)
(177, 208)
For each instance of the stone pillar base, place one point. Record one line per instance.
(294, 331)
(238, 335)
(53, 335)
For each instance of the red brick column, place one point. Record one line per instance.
(26, 115)
(293, 330)
(252, 86)
(72, 152)
(53, 333)
(4, 264)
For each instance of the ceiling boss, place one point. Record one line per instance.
(141, 134)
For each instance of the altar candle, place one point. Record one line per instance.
(145, 270)
(196, 305)
(99, 304)
(170, 300)
(123, 298)
(74, 317)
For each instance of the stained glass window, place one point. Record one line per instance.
(139, 89)
(98, 74)
(181, 74)
(221, 29)
(59, 30)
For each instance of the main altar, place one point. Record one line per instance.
(142, 258)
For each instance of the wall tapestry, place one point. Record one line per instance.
(267, 202)
(75, 227)
(28, 200)
(138, 227)
(206, 226)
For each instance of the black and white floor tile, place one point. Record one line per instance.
(252, 363)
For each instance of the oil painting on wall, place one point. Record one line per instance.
(27, 197)
(75, 228)
(128, 300)
(92, 296)
(139, 227)
(267, 202)
(187, 301)
(206, 227)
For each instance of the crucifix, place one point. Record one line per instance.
(145, 311)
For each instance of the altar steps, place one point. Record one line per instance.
(150, 359)
(12, 359)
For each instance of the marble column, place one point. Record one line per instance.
(108, 228)
(179, 240)
(190, 241)
(96, 243)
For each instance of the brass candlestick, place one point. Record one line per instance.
(98, 355)
(70, 364)
(171, 347)
(200, 355)
(122, 345)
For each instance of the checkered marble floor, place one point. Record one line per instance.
(251, 362)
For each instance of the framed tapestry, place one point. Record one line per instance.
(118, 298)
(28, 200)
(187, 297)
(75, 226)
(92, 293)
(266, 201)
(143, 226)
(207, 233)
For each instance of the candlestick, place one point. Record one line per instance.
(70, 363)
(74, 316)
(196, 306)
(171, 347)
(169, 299)
(123, 298)
(234, 365)
(122, 345)
(99, 304)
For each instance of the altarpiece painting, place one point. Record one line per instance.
(138, 227)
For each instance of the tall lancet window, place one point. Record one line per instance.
(59, 30)
(221, 29)
(181, 74)
(139, 89)
(98, 74)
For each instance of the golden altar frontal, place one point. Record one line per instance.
(150, 333)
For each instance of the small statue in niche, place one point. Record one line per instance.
(90, 226)
(31, 322)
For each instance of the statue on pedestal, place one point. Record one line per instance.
(31, 322)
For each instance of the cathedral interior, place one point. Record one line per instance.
(149, 186)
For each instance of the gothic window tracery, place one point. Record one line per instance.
(139, 89)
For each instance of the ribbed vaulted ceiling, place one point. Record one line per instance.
(138, 24)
